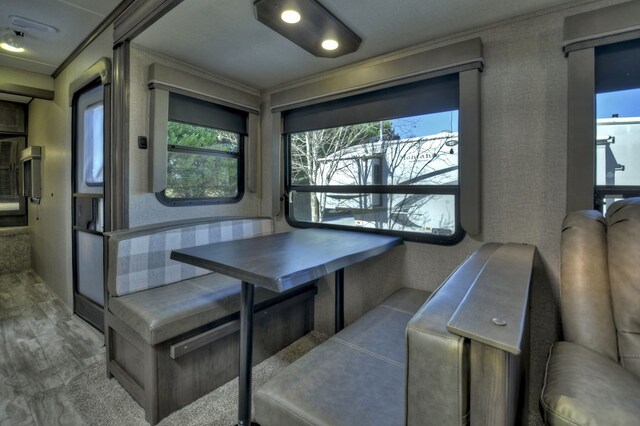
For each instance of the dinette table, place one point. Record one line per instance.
(281, 262)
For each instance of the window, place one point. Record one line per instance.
(204, 152)
(617, 146)
(385, 161)
(94, 144)
(89, 140)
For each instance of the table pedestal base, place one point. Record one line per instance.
(246, 354)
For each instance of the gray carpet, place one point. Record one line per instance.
(104, 402)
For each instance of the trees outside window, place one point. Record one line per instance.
(203, 163)
(377, 175)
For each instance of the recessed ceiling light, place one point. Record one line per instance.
(12, 41)
(329, 44)
(290, 16)
(10, 48)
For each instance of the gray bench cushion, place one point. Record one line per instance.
(356, 377)
(161, 313)
(582, 387)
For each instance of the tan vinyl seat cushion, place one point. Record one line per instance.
(357, 377)
(583, 387)
(160, 313)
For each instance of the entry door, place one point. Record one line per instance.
(88, 204)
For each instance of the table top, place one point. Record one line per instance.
(283, 261)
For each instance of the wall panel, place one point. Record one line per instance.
(50, 127)
(144, 207)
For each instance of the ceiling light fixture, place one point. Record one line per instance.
(318, 26)
(290, 16)
(330, 44)
(12, 41)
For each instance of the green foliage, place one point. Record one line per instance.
(201, 174)
(201, 137)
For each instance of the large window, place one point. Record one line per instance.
(204, 152)
(385, 161)
(617, 158)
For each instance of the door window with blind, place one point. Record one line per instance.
(384, 161)
(617, 146)
(204, 152)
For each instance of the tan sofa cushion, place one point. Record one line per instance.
(583, 387)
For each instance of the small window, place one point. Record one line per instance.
(202, 162)
(397, 174)
(617, 157)
(94, 144)
(204, 152)
(88, 114)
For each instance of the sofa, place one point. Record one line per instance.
(593, 376)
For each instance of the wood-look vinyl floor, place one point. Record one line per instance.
(42, 346)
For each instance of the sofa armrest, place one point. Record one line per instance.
(494, 311)
(493, 283)
(437, 360)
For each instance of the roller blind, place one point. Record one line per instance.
(423, 97)
(617, 66)
(185, 109)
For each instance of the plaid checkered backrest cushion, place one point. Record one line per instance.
(139, 257)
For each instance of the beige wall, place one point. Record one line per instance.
(50, 127)
(144, 207)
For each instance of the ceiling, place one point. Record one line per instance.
(45, 52)
(223, 37)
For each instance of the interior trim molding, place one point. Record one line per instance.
(602, 26)
(453, 58)
(100, 70)
(31, 92)
(252, 153)
(119, 196)
(94, 35)
(174, 80)
(469, 153)
(581, 130)
(139, 16)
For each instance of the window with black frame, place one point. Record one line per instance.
(204, 152)
(617, 146)
(383, 161)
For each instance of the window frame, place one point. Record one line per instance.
(181, 202)
(423, 237)
(583, 33)
(601, 192)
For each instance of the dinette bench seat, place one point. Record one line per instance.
(399, 364)
(172, 329)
